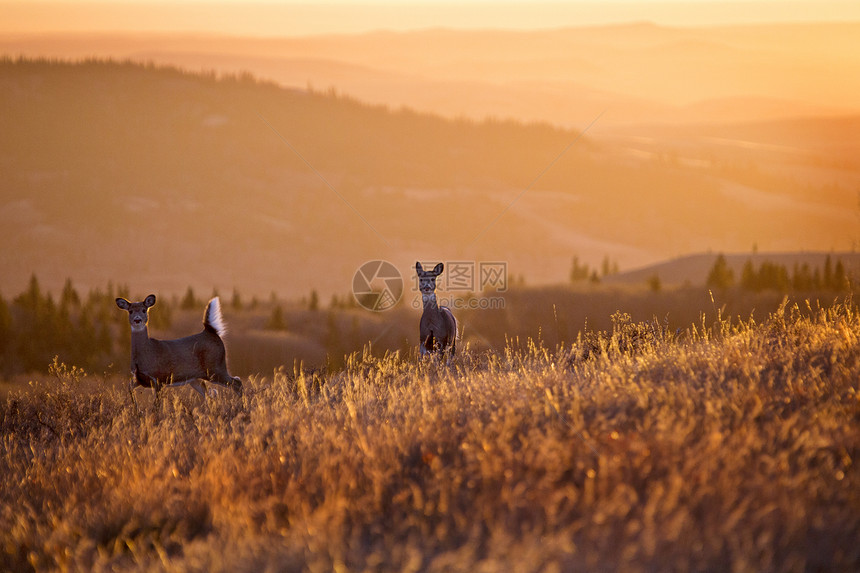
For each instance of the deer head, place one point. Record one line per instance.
(137, 311)
(427, 279)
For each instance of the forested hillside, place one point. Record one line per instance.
(162, 178)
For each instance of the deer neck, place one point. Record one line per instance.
(430, 303)
(140, 338)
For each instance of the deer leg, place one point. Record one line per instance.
(197, 384)
(156, 389)
(198, 387)
(223, 378)
(132, 384)
(440, 345)
(428, 345)
(448, 353)
(237, 385)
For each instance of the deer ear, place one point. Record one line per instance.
(149, 301)
(418, 267)
(437, 270)
(122, 303)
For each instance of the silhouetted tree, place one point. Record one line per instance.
(829, 282)
(721, 275)
(82, 346)
(32, 327)
(579, 271)
(189, 301)
(768, 276)
(31, 299)
(276, 319)
(70, 297)
(840, 277)
(802, 278)
(773, 276)
(608, 267)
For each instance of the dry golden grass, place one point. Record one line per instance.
(732, 448)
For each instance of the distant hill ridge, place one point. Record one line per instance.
(641, 71)
(205, 169)
(164, 178)
(693, 269)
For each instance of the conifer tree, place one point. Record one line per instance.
(189, 301)
(721, 275)
(276, 319)
(829, 282)
(749, 277)
(30, 299)
(840, 278)
(70, 297)
(579, 271)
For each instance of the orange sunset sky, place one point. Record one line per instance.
(280, 17)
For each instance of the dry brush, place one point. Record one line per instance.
(732, 447)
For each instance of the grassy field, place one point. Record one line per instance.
(726, 447)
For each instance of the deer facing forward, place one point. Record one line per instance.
(438, 327)
(188, 360)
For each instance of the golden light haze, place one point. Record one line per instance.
(708, 127)
(649, 219)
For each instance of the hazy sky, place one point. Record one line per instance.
(291, 17)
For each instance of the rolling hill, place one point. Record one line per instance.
(162, 178)
(637, 72)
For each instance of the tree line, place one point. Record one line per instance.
(581, 272)
(773, 276)
(35, 327)
(89, 332)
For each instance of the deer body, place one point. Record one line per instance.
(158, 363)
(438, 328)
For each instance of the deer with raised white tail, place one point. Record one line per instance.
(438, 327)
(188, 360)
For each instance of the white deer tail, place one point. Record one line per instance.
(213, 319)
